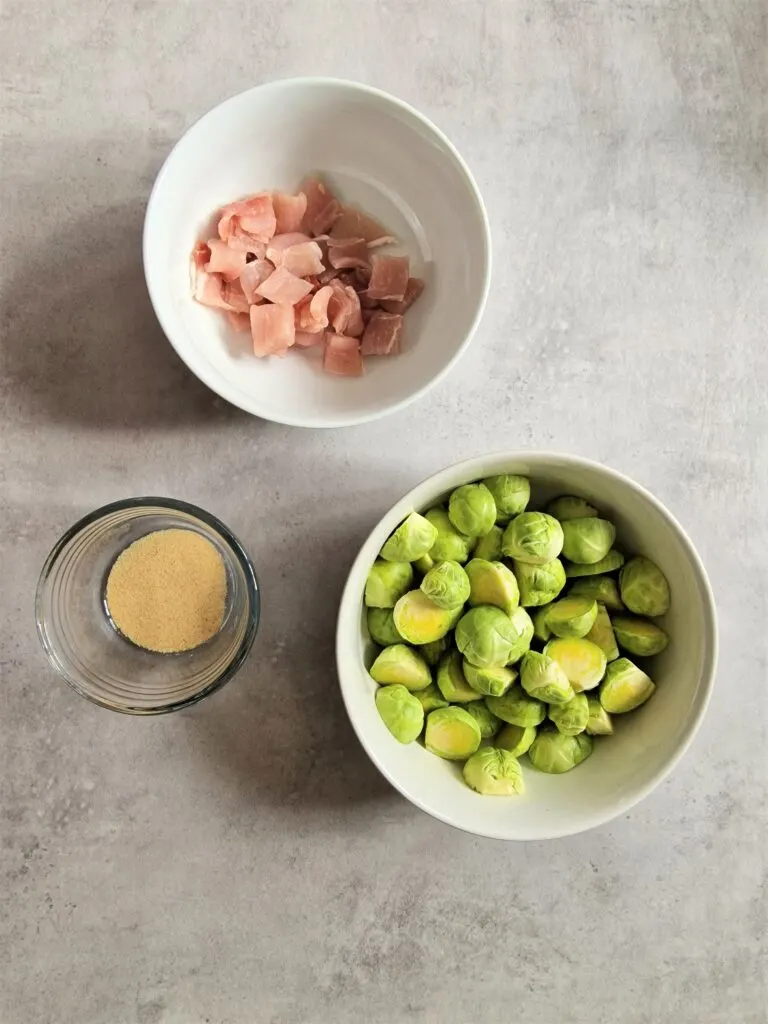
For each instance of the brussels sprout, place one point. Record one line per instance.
(569, 507)
(488, 722)
(604, 589)
(539, 584)
(625, 687)
(451, 681)
(433, 652)
(613, 560)
(523, 623)
(492, 583)
(486, 636)
(571, 718)
(516, 739)
(581, 660)
(491, 682)
(510, 493)
(602, 634)
(542, 678)
(489, 547)
(400, 711)
(554, 753)
(572, 616)
(599, 722)
(533, 537)
(588, 540)
(381, 627)
(399, 664)
(446, 584)
(540, 628)
(450, 545)
(493, 772)
(517, 708)
(424, 564)
(431, 699)
(419, 620)
(472, 510)
(386, 583)
(644, 587)
(639, 636)
(451, 733)
(411, 540)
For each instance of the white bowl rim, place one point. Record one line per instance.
(352, 596)
(199, 366)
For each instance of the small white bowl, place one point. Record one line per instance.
(374, 151)
(646, 745)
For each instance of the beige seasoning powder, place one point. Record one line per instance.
(166, 592)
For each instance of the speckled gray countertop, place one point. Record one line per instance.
(243, 862)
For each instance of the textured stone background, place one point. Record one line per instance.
(243, 862)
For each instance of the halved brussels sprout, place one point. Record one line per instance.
(381, 627)
(411, 540)
(625, 687)
(431, 699)
(599, 722)
(386, 583)
(539, 584)
(613, 560)
(492, 583)
(587, 540)
(491, 682)
(523, 623)
(581, 660)
(488, 722)
(533, 537)
(451, 681)
(554, 753)
(540, 628)
(570, 507)
(639, 636)
(604, 589)
(489, 547)
(543, 679)
(571, 718)
(419, 620)
(450, 545)
(516, 739)
(433, 652)
(572, 616)
(486, 636)
(451, 733)
(493, 772)
(446, 584)
(510, 493)
(400, 664)
(602, 634)
(644, 587)
(424, 564)
(472, 510)
(517, 708)
(400, 711)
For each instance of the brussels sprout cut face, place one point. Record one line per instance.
(451, 681)
(599, 722)
(400, 664)
(419, 620)
(625, 687)
(602, 634)
(612, 561)
(572, 616)
(452, 733)
(492, 583)
(582, 661)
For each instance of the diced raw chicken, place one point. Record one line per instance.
(200, 256)
(347, 252)
(224, 260)
(353, 223)
(382, 334)
(413, 290)
(355, 323)
(280, 243)
(255, 216)
(289, 211)
(340, 307)
(342, 356)
(389, 277)
(207, 290)
(234, 295)
(305, 339)
(312, 311)
(240, 322)
(297, 253)
(272, 329)
(366, 301)
(322, 207)
(284, 288)
(243, 240)
(252, 276)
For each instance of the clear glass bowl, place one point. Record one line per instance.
(86, 649)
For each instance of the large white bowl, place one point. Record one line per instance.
(374, 151)
(647, 743)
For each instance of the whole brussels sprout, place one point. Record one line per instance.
(555, 753)
(539, 584)
(381, 627)
(399, 664)
(569, 507)
(523, 623)
(581, 660)
(613, 560)
(542, 678)
(571, 718)
(644, 587)
(533, 537)
(486, 636)
(490, 682)
(386, 583)
(400, 711)
(588, 540)
(517, 708)
(431, 699)
(540, 628)
(625, 687)
(599, 722)
(639, 636)
(419, 620)
(488, 722)
(492, 583)
(433, 652)
(411, 540)
(493, 772)
(572, 616)
(450, 545)
(446, 584)
(603, 589)
(510, 493)
(489, 547)
(451, 680)
(451, 733)
(602, 634)
(472, 510)
(516, 739)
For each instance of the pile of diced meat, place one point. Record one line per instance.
(303, 271)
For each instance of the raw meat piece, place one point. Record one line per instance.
(233, 294)
(347, 252)
(305, 339)
(312, 311)
(297, 253)
(413, 290)
(255, 216)
(353, 223)
(342, 356)
(252, 276)
(224, 260)
(355, 323)
(240, 322)
(272, 329)
(289, 211)
(284, 288)
(340, 307)
(322, 207)
(382, 334)
(389, 277)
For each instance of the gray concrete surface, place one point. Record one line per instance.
(243, 862)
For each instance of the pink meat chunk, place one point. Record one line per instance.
(389, 277)
(284, 288)
(297, 253)
(322, 207)
(344, 253)
(340, 307)
(224, 260)
(305, 339)
(252, 276)
(235, 296)
(246, 242)
(272, 329)
(289, 211)
(413, 290)
(253, 217)
(312, 311)
(355, 323)
(382, 334)
(353, 223)
(342, 356)
(240, 322)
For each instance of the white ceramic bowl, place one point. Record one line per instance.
(374, 151)
(647, 743)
